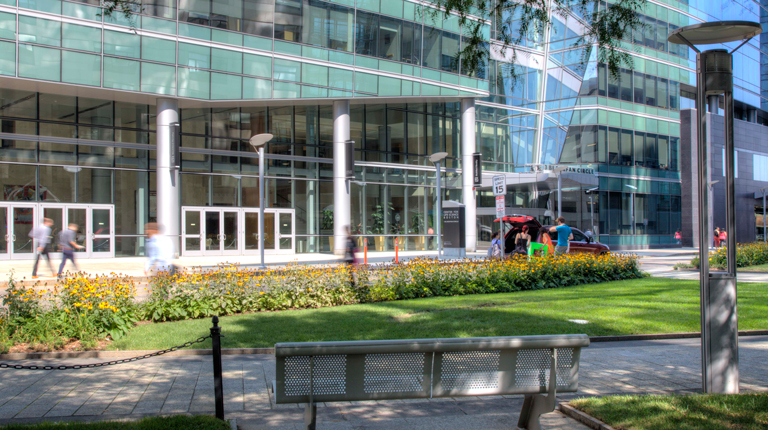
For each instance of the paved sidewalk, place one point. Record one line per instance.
(171, 385)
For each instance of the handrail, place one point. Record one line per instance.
(431, 345)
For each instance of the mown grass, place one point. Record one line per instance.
(693, 412)
(177, 422)
(641, 306)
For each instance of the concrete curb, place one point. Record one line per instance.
(271, 351)
(663, 336)
(587, 420)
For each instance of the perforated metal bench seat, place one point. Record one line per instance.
(425, 368)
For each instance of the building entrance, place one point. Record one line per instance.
(95, 228)
(235, 231)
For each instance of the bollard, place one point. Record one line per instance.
(217, 382)
(397, 260)
(365, 250)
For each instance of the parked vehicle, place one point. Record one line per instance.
(580, 243)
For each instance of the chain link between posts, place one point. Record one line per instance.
(107, 363)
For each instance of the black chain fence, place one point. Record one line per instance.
(106, 363)
(215, 337)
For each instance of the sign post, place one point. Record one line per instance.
(500, 190)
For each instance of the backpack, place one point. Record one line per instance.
(496, 250)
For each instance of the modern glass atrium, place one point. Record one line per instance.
(86, 102)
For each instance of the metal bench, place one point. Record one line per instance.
(426, 368)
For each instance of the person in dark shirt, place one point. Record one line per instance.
(68, 244)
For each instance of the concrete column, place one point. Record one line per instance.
(168, 209)
(468, 147)
(341, 200)
(752, 115)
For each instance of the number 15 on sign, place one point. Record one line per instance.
(499, 185)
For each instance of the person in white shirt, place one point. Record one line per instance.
(160, 251)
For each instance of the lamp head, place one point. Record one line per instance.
(630, 186)
(260, 140)
(592, 190)
(438, 156)
(710, 33)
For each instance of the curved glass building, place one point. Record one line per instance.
(89, 108)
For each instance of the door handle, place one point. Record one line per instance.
(14, 238)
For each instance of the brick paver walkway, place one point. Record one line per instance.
(184, 384)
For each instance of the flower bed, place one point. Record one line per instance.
(78, 308)
(89, 309)
(747, 254)
(229, 289)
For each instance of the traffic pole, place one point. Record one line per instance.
(365, 250)
(397, 260)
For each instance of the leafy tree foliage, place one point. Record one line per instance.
(605, 27)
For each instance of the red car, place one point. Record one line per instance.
(580, 243)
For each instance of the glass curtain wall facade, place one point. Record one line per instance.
(79, 123)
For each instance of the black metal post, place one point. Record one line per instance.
(218, 386)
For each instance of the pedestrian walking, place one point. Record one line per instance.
(160, 251)
(495, 250)
(716, 237)
(723, 237)
(68, 245)
(522, 241)
(564, 236)
(679, 237)
(43, 239)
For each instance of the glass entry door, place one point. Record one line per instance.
(210, 231)
(279, 231)
(100, 232)
(17, 221)
(235, 231)
(285, 232)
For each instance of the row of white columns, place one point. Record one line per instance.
(169, 210)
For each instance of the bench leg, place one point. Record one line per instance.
(536, 405)
(310, 416)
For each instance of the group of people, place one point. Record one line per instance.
(523, 240)
(720, 236)
(66, 241)
(159, 248)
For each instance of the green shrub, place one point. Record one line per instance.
(747, 254)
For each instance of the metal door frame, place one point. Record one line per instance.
(8, 206)
(278, 236)
(184, 251)
(91, 236)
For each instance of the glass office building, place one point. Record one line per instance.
(87, 103)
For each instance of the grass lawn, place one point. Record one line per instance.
(649, 305)
(757, 268)
(694, 412)
(178, 422)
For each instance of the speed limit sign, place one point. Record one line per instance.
(499, 185)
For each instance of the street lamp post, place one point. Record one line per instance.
(559, 171)
(258, 142)
(592, 208)
(632, 207)
(436, 158)
(719, 323)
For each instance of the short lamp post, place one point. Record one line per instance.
(258, 142)
(437, 158)
(632, 207)
(719, 323)
(592, 208)
(763, 190)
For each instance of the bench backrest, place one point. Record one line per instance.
(425, 368)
